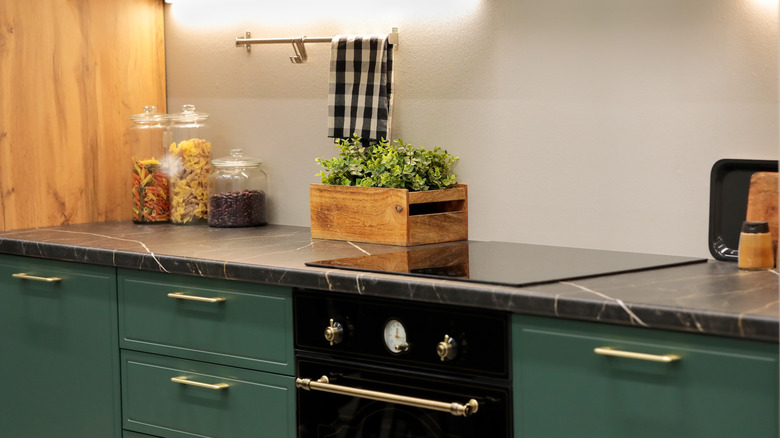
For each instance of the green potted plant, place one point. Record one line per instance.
(391, 193)
(394, 165)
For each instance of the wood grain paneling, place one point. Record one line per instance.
(72, 72)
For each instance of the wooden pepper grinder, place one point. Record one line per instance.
(755, 246)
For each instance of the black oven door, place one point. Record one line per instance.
(352, 402)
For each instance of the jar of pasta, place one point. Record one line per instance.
(237, 192)
(147, 139)
(190, 162)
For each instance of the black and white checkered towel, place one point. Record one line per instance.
(360, 97)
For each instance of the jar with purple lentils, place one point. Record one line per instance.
(237, 192)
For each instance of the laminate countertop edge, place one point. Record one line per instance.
(712, 298)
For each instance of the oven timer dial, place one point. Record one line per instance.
(334, 333)
(395, 336)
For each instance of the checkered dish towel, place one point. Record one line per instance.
(360, 97)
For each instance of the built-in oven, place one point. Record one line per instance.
(377, 368)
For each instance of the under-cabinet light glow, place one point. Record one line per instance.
(211, 13)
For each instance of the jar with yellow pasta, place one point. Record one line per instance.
(190, 158)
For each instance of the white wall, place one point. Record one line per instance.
(577, 123)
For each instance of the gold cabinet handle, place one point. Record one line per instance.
(25, 276)
(609, 351)
(185, 381)
(323, 384)
(183, 296)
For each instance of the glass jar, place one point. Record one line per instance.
(147, 138)
(189, 158)
(237, 192)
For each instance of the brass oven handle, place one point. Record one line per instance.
(183, 296)
(25, 276)
(185, 381)
(323, 384)
(609, 351)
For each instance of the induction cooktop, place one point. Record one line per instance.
(504, 263)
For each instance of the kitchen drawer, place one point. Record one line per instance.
(250, 326)
(251, 403)
(718, 388)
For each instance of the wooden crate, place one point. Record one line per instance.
(388, 216)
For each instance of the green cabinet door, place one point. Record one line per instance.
(59, 371)
(711, 387)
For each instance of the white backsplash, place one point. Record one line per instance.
(589, 124)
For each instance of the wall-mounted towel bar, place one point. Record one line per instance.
(298, 43)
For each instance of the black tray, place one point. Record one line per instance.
(729, 187)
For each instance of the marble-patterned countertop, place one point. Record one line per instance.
(713, 298)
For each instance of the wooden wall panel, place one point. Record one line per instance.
(71, 74)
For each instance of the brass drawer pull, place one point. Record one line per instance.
(609, 351)
(185, 381)
(323, 384)
(26, 276)
(183, 296)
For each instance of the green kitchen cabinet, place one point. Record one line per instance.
(214, 320)
(174, 397)
(205, 357)
(582, 379)
(60, 363)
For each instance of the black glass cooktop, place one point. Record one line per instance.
(504, 263)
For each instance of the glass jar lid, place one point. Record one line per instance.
(150, 116)
(236, 159)
(189, 115)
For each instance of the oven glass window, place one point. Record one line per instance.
(383, 420)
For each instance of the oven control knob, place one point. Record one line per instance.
(447, 349)
(334, 333)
